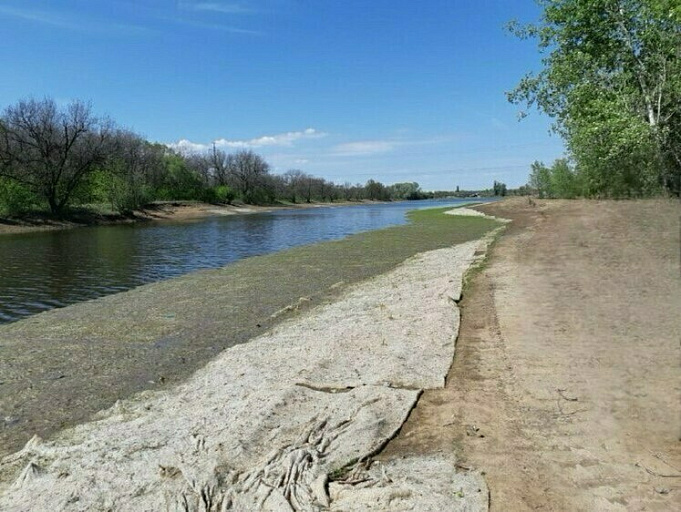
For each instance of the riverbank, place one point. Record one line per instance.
(346, 376)
(171, 211)
(565, 387)
(59, 367)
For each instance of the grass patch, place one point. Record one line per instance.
(362, 255)
(478, 266)
(263, 285)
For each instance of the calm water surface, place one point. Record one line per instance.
(41, 271)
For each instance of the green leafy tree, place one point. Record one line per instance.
(559, 180)
(376, 191)
(15, 198)
(180, 181)
(565, 182)
(499, 188)
(407, 190)
(612, 81)
(540, 180)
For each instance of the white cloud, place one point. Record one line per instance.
(187, 146)
(72, 21)
(228, 8)
(281, 139)
(365, 147)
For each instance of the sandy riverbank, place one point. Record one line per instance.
(566, 384)
(310, 398)
(177, 211)
(59, 367)
(564, 389)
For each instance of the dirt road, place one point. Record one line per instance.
(566, 384)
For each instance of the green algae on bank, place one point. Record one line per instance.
(59, 367)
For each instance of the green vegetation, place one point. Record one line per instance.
(15, 198)
(56, 158)
(612, 82)
(499, 189)
(367, 254)
(559, 180)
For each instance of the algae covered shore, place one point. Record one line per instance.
(266, 424)
(60, 367)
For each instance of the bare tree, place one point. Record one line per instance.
(248, 172)
(202, 165)
(279, 186)
(218, 161)
(132, 166)
(294, 179)
(52, 150)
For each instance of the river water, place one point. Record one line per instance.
(46, 270)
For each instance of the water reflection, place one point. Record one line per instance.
(41, 271)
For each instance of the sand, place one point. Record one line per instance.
(267, 424)
(566, 384)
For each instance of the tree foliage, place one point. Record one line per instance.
(559, 180)
(51, 150)
(407, 190)
(52, 157)
(499, 188)
(612, 82)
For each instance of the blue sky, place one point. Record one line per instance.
(348, 90)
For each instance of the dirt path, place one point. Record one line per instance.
(566, 385)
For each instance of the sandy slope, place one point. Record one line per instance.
(566, 385)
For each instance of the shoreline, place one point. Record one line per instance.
(59, 367)
(545, 376)
(323, 390)
(170, 211)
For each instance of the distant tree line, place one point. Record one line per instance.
(54, 157)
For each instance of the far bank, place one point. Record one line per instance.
(176, 211)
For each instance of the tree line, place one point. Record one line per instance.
(611, 80)
(54, 157)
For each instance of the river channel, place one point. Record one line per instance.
(46, 270)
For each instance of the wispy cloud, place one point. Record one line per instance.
(223, 8)
(281, 139)
(216, 26)
(73, 21)
(38, 17)
(364, 147)
(205, 15)
(383, 146)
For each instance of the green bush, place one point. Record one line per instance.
(224, 194)
(558, 181)
(16, 198)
